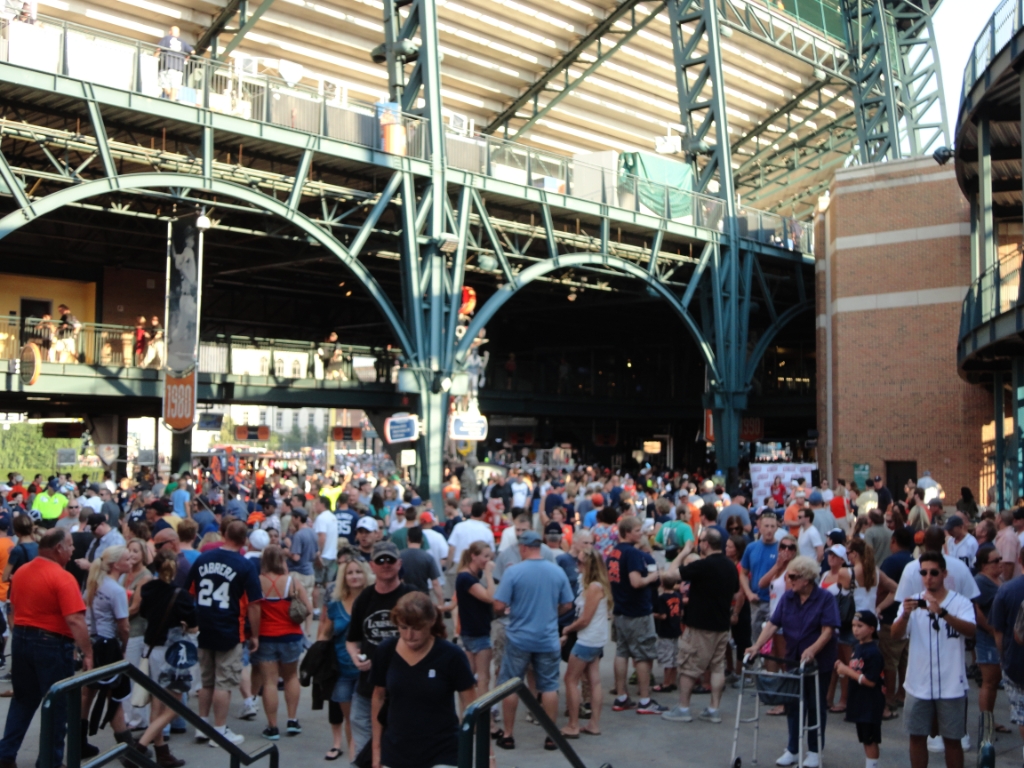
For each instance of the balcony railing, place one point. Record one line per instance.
(113, 346)
(999, 30)
(996, 292)
(237, 89)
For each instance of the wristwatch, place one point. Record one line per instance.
(942, 613)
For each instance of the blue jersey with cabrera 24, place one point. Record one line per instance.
(223, 583)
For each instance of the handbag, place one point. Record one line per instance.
(847, 609)
(297, 610)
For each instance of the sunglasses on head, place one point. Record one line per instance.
(930, 572)
(385, 560)
(789, 547)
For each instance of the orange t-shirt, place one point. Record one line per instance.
(790, 518)
(45, 594)
(6, 545)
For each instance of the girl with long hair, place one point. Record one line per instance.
(474, 591)
(593, 605)
(139, 574)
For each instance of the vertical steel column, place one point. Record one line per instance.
(921, 98)
(1017, 481)
(989, 293)
(999, 454)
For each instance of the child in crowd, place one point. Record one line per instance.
(667, 624)
(866, 699)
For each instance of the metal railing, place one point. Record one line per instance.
(113, 346)
(997, 33)
(995, 292)
(71, 688)
(824, 15)
(475, 731)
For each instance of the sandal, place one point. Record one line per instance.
(332, 754)
(549, 744)
(1001, 729)
(890, 715)
(566, 735)
(836, 709)
(505, 742)
(590, 732)
(777, 711)
(497, 734)
(665, 688)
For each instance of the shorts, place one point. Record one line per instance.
(221, 669)
(635, 638)
(869, 733)
(668, 652)
(343, 690)
(846, 637)
(545, 667)
(919, 713)
(326, 575)
(171, 78)
(476, 644)
(985, 648)
(307, 580)
(1016, 696)
(271, 649)
(586, 653)
(701, 650)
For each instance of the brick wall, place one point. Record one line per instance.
(893, 265)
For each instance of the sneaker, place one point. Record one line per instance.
(712, 716)
(619, 706)
(200, 736)
(227, 733)
(788, 758)
(965, 742)
(935, 744)
(271, 733)
(294, 728)
(811, 760)
(678, 715)
(316, 613)
(249, 710)
(651, 708)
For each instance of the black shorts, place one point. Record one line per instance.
(869, 733)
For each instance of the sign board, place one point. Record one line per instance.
(407, 457)
(861, 473)
(180, 401)
(107, 453)
(401, 428)
(67, 457)
(52, 429)
(709, 425)
(468, 426)
(652, 446)
(751, 429)
(262, 432)
(762, 475)
(211, 421)
(340, 434)
(146, 458)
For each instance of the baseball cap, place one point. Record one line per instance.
(552, 529)
(878, 478)
(55, 484)
(94, 487)
(367, 524)
(815, 498)
(597, 500)
(953, 522)
(530, 539)
(867, 617)
(426, 519)
(415, 501)
(384, 549)
(95, 520)
(837, 536)
(259, 540)
(839, 551)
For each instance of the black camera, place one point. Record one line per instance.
(922, 603)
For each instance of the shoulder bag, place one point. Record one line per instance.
(297, 610)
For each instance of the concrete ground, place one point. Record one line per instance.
(627, 739)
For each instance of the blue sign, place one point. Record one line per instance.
(401, 428)
(468, 426)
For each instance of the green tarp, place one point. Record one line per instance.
(656, 176)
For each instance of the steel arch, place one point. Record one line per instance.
(128, 182)
(769, 335)
(531, 273)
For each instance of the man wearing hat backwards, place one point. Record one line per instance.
(959, 543)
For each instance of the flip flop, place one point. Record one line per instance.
(589, 732)
(569, 735)
(332, 754)
(836, 709)
(891, 716)
(497, 734)
(1002, 729)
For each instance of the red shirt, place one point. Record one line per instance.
(42, 594)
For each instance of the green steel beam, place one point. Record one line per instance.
(922, 97)
(244, 29)
(210, 33)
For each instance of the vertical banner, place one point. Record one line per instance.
(184, 276)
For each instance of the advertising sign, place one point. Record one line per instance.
(468, 426)
(180, 400)
(401, 428)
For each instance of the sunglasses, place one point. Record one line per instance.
(385, 560)
(70, 507)
(793, 577)
(788, 547)
(930, 572)
(994, 561)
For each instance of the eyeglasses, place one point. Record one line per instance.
(385, 560)
(995, 561)
(70, 507)
(930, 572)
(789, 547)
(793, 576)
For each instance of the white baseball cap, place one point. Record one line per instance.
(367, 524)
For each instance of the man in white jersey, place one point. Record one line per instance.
(936, 620)
(960, 544)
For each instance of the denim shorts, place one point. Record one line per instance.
(985, 648)
(476, 644)
(545, 667)
(587, 653)
(270, 649)
(343, 689)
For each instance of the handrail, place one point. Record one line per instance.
(476, 723)
(996, 291)
(73, 757)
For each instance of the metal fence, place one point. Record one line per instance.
(994, 293)
(997, 33)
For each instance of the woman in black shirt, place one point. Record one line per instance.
(418, 672)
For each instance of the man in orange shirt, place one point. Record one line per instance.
(792, 513)
(6, 545)
(49, 621)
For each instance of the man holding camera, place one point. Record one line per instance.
(936, 620)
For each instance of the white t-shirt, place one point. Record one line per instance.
(438, 546)
(958, 579)
(520, 494)
(109, 605)
(508, 539)
(327, 523)
(468, 531)
(935, 667)
(965, 550)
(92, 502)
(397, 519)
(808, 539)
(775, 590)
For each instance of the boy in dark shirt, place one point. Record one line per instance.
(668, 611)
(866, 697)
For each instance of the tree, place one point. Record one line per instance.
(23, 449)
(227, 430)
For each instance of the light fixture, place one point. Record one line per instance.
(572, 296)
(942, 155)
(447, 243)
(341, 284)
(203, 222)
(487, 262)
(348, 293)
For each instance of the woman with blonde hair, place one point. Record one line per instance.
(281, 639)
(132, 583)
(106, 617)
(474, 593)
(591, 627)
(353, 577)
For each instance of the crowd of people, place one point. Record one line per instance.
(347, 580)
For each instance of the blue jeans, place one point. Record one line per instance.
(811, 714)
(38, 661)
(360, 719)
